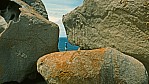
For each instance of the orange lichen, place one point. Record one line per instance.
(95, 62)
(102, 50)
(67, 64)
(61, 66)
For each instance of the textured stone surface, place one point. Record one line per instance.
(23, 42)
(99, 66)
(121, 24)
(3, 24)
(38, 6)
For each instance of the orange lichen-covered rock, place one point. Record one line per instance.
(99, 66)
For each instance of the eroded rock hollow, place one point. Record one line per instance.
(9, 10)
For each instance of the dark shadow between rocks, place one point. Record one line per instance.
(9, 10)
(39, 80)
(12, 82)
(4, 4)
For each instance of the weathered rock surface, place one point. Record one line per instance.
(3, 24)
(38, 6)
(23, 42)
(121, 24)
(99, 66)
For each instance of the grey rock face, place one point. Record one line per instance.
(121, 24)
(99, 66)
(38, 6)
(23, 42)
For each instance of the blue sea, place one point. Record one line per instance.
(63, 41)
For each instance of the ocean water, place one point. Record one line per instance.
(62, 44)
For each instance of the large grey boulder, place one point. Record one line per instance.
(121, 24)
(99, 66)
(23, 42)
